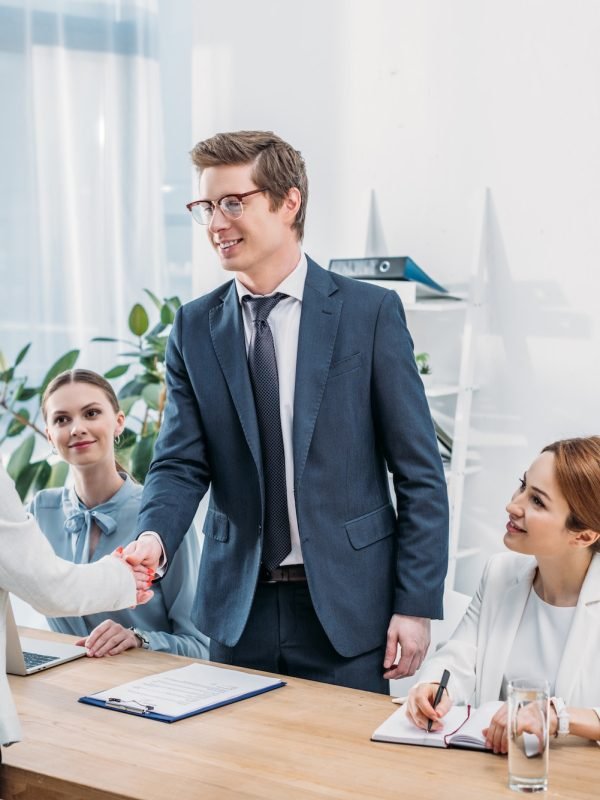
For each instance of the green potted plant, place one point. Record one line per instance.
(31, 464)
(424, 368)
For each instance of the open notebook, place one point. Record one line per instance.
(462, 728)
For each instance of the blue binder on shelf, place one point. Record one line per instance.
(389, 271)
(183, 692)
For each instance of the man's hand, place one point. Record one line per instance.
(413, 634)
(145, 551)
(108, 639)
(143, 577)
(419, 708)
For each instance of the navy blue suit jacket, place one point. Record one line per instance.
(359, 410)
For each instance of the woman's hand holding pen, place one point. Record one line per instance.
(143, 578)
(420, 710)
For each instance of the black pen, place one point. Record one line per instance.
(438, 695)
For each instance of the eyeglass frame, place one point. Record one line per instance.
(217, 203)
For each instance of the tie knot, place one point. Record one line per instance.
(261, 307)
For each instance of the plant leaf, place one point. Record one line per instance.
(166, 315)
(128, 439)
(141, 457)
(15, 427)
(154, 299)
(65, 362)
(156, 330)
(136, 386)
(21, 457)
(117, 371)
(22, 354)
(138, 320)
(25, 393)
(42, 476)
(112, 339)
(151, 395)
(127, 403)
(25, 479)
(58, 475)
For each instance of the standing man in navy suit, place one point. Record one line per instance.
(291, 393)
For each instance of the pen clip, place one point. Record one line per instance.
(133, 706)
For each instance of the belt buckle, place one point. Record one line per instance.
(268, 577)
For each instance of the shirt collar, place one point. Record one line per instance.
(72, 503)
(292, 285)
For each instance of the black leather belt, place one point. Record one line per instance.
(295, 573)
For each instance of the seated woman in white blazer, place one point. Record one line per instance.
(30, 569)
(535, 615)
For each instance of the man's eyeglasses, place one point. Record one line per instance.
(231, 206)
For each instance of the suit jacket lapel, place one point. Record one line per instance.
(319, 322)
(584, 621)
(503, 631)
(227, 332)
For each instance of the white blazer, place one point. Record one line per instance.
(30, 569)
(478, 651)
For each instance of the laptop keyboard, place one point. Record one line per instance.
(36, 659)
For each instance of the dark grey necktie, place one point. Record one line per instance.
(265, 384)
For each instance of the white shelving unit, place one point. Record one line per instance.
(463, 461)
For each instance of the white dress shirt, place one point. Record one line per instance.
(284, 321)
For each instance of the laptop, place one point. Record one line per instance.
(25, 656)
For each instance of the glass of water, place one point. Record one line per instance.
(528, 702)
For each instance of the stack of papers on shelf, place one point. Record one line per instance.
(179, 693)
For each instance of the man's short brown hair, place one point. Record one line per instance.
(277, 166)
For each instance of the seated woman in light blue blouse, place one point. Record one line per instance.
(98, 515)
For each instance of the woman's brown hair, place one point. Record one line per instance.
(83, 376)
(577, 468)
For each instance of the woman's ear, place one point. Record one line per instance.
(120, 426)
(585, 538)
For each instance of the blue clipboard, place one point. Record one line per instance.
(140, 710)
(248, 685)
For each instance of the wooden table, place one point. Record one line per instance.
(307, 740)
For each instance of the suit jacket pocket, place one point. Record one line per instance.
(216, 525)
(372, 527)
(345, 365)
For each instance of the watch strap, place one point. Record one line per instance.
(562, 715)
(143, 640)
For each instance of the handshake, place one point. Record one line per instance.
(143, 557)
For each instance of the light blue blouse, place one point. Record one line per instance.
(166, 619)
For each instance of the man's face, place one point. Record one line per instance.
(260, 239)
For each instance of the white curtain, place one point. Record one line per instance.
(81, 171)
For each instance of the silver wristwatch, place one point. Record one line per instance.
(562, 715)
(144, 643)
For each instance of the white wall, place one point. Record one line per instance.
(427, 103)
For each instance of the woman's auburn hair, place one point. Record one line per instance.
(577, 469)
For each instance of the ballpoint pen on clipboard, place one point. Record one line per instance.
(134, 706)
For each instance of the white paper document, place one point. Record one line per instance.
(182, 692)
(462, 727)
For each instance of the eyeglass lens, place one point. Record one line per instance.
(230, 206)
